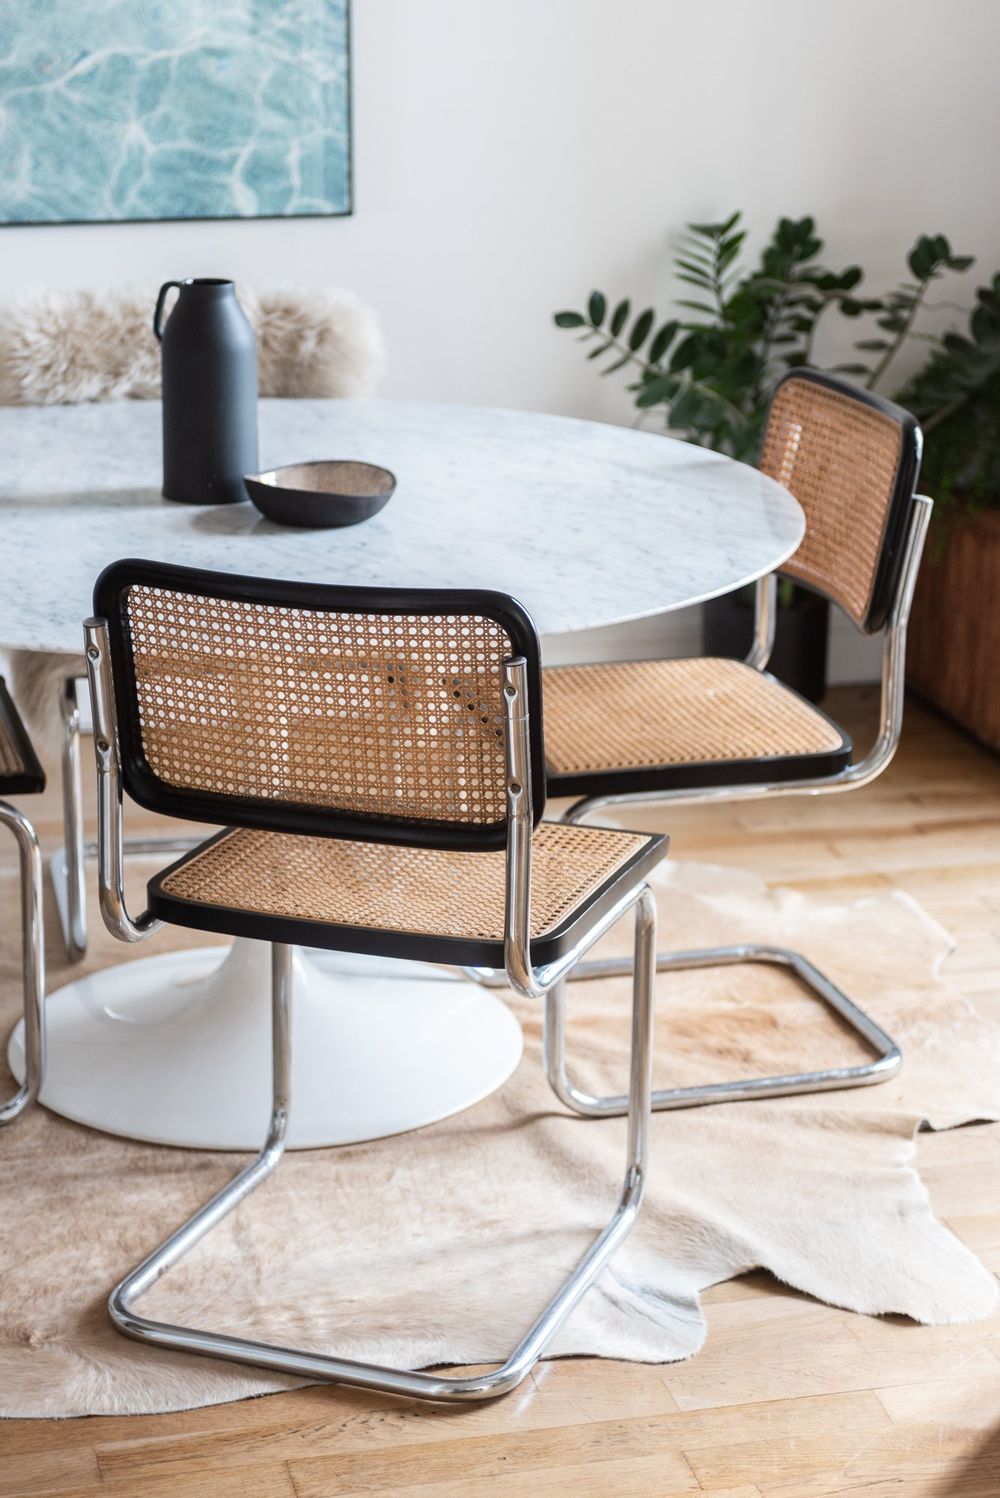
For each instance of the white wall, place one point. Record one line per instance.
(511, 154)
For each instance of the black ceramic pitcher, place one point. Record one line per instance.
(209, 359)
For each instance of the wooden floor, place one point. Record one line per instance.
(789, 1397)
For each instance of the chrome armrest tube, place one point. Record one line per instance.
(522, 975)
(520, 825)
(110, 837)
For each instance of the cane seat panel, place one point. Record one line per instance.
(20, 770)
(852, 465)
(675, 723)
(401, 901)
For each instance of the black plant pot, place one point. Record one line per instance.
(799, 655)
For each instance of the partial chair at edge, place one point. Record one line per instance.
(21, 774)
(377, 759)
(706, 731)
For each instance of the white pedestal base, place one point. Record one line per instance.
(176, 1049)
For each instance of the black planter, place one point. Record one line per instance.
(799, 655)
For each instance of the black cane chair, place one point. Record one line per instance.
(679, 732)
(377, 760)
(21, 774)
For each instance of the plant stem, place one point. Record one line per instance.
(946, 410)
(827, 297)
(900, 339)
(657, 369)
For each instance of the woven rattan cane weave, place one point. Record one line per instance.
(667, 716)
(446, 904)
(852, 465)
(240, 700)
(20, 771)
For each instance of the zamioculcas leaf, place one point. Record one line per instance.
(664, 338)
(597, 306)
(640, 329)
(569, 320)
(685, 408)
(694, 270)
(984, 324)
(596, 353)
(684, 354)
(662, 388)
(922, 257)
(619, 318)
(616, 365)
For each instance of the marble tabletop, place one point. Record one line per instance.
(586, 524)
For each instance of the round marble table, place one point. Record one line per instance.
(586, 524)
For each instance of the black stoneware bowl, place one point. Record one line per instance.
(321, 494)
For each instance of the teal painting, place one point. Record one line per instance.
(173, 109)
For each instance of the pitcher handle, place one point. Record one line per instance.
(160, 300)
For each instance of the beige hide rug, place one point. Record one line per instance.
(441, 1245)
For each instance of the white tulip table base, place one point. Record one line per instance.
(176, 1049)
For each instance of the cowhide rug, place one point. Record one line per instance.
(439, 1246)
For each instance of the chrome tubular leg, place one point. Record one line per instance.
(176, 1246)
(68, 864)
(414, 1384)
(33, 962)
(884, 1064)
(74, 914)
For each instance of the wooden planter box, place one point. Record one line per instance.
(953, 648)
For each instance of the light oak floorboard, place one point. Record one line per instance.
(789, 1399)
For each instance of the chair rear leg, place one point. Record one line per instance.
(32, 959)
(73, 908)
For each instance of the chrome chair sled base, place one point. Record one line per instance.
(406, 1382)
(884, 1063)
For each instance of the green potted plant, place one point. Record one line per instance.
(707, 373)
(954, 641)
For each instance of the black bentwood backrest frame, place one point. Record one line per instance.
(374, 714)
(852, 459)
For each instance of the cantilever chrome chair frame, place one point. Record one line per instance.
(522, 975)
(886, 1058)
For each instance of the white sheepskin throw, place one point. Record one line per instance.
(313, 343)
(64, 347)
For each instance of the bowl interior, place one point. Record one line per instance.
(358, 480)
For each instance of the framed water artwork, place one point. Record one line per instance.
(131, 110)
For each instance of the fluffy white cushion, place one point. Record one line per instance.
(64, 347)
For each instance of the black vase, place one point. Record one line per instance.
(209, 359)
(800, 637)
